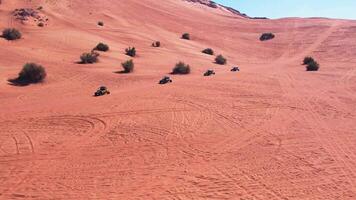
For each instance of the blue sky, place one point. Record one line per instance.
(345, 9)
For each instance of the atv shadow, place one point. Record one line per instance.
(121, 72)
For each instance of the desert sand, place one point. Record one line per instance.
(270, 131)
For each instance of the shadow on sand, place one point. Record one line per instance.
(20, 82)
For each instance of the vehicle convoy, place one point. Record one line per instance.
(235, 69)
(101, 91)
(209, 72)
(165, 79)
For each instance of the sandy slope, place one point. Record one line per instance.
(272, 131)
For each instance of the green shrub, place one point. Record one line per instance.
(267, 36)
(208, 51)
(128, 66)
(186, 36)
(102, 47)
(220, 60)
(89, 58)
(11, 34)
(308, 60)
(156, 44)
(181, 68)
(131, 51)
(313, 66)
(32, 73)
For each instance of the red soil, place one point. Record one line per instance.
(271, 131)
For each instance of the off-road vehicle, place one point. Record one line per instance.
(209, 72)
(101, 91)
(165, 80)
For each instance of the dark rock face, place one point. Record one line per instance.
(205, 2)
(25, 14)
(212, 4)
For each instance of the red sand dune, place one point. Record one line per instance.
(271, 131)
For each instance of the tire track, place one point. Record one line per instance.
(30, 142)
(310, 111)
(333, 147)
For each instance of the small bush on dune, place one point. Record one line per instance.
(131, 51)
(181, 68)
(313, 66)
(186, 36)
(308, 60)
(220, 60)
(128, 66)
(32, 73)
(102, 47)
(89, 58)
(100, 23)
(11, 34)
(267, 36)
(156, 44)
(208, 51)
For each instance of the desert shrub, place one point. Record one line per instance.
(208, 51)
(156, 44)
(32, 73)
(220, 60)
(102, 47)
(313, 66)
(41, 24)
(131, 51)
(100, 23)
(267, 36)
(11, 34)
(89, 58)
(181, 68)
(128, 66)
(186, 36)
(308, 60)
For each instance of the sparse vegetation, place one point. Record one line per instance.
(267, 36)
(100, 23)
(102, 47)
(181, 68)
(308, 60)
(208, 51)
(313, 66)
(11, 34)
(32, 73)
(128, 66)
(186, 36)
(156, 44)
(131, 51)
(41, 24)
(89, 58)
(220, 60)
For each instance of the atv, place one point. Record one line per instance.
(165, 80)
(235, 69)
(209, 72)
(102, 91)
